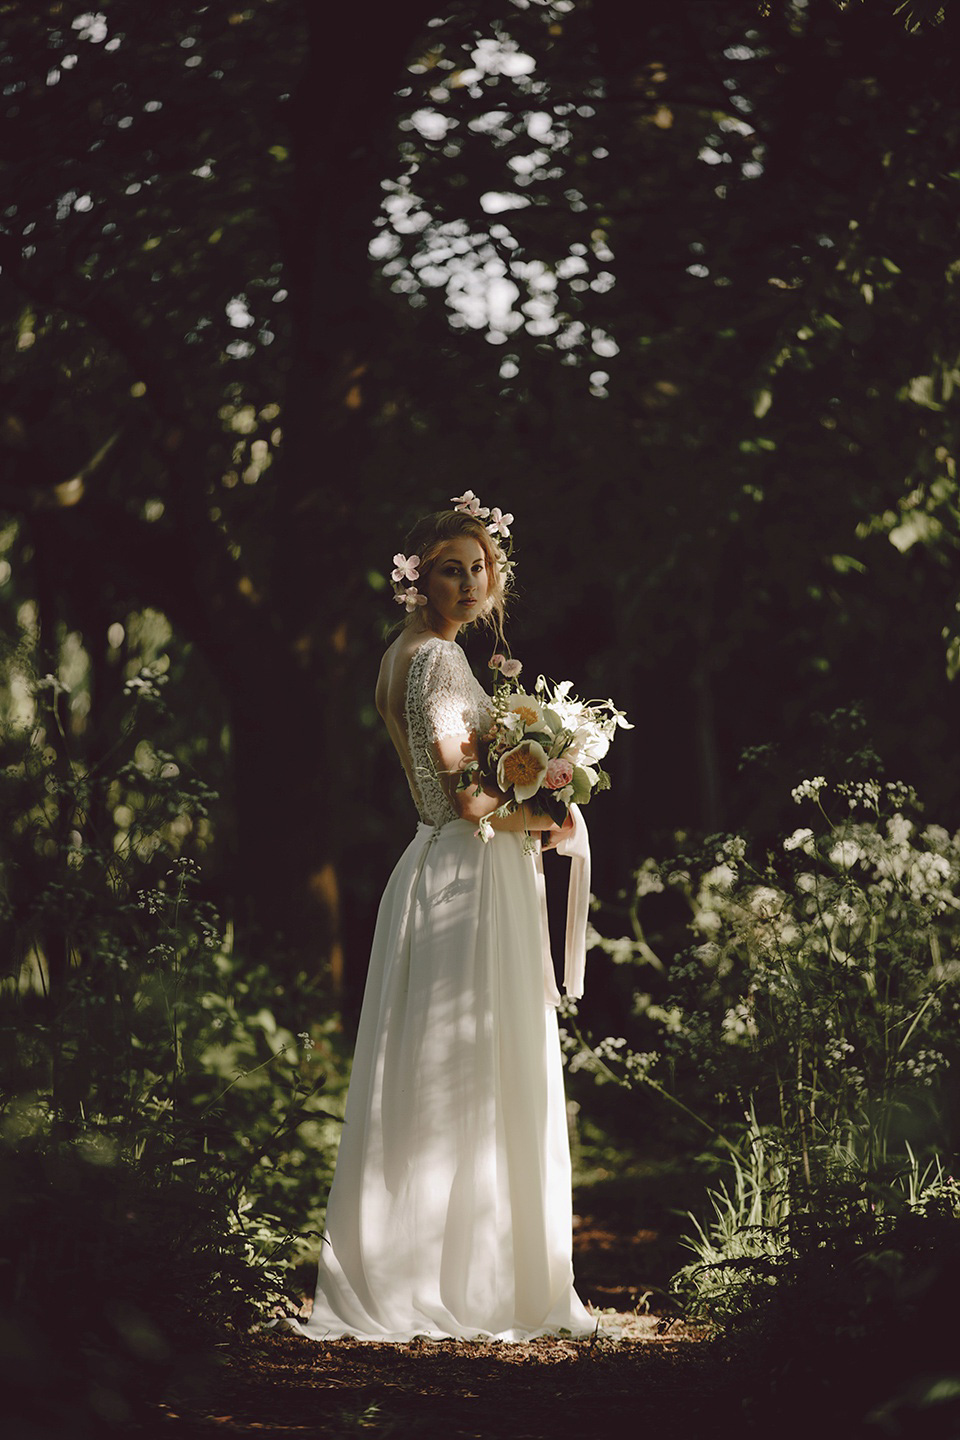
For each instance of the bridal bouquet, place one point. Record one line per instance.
(542, 747)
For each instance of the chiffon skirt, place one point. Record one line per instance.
(450, 1213)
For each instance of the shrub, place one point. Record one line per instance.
(810, 1031)
(814, 1017)
(823, 989)
(164, 1154)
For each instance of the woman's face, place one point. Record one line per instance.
(456, 587)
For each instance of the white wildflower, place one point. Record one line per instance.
(861, 792)
(808, 789)
(146, 682)
(647, 879)
(899, 828)
(937, 838)
(766, 902)
(845, 853)
(641, 1062)
(899, 793)
(721, 877)
(738, 1023)
(707, 921)
(927, 875)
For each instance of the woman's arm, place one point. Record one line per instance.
(527, 818)
(454, 754)
(446, 683)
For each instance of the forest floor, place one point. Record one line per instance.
(648, 1368)
(275, 1388)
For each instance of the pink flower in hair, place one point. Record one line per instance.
(499, 524)
(410, 598)
(469, 504)
(406, 568)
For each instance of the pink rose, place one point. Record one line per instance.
(511, 668)
(559, 773)
(496, 662)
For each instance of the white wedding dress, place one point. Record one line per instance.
(450, 1213)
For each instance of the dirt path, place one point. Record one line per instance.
(647, 1369)
(273, 1387)
(644, 1368)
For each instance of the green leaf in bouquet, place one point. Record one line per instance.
(550, 805)
(470, 776)
(582, 789)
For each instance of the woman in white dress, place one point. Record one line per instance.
(450, 1212)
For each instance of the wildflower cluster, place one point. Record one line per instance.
(808, 789)
(610, 1060)
(809, 1025)
(146, 684)
(823, 982)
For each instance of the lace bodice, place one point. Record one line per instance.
(443, 698)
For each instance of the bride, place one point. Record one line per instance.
(450, 1211)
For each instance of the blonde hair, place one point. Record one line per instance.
(427, 539)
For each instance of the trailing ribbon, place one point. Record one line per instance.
(576, 847)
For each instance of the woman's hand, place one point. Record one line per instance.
(550, 839)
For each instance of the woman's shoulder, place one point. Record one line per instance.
(405, 649)
(417, 657)
(433, 658)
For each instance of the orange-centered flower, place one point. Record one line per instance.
(527, 714)
(523, 769)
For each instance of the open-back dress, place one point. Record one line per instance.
(450, 1212)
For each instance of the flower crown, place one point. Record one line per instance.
(406, 567)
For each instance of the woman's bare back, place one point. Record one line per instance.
(391, 693)
(391, 699)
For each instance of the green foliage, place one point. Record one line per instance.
(745, 1232)
(763, 1223)
(810, 1030)
(808, 1034)
(165, 1154)
(824, 978)
(849, 1322)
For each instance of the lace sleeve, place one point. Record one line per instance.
(446, 692)
(441, 704)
